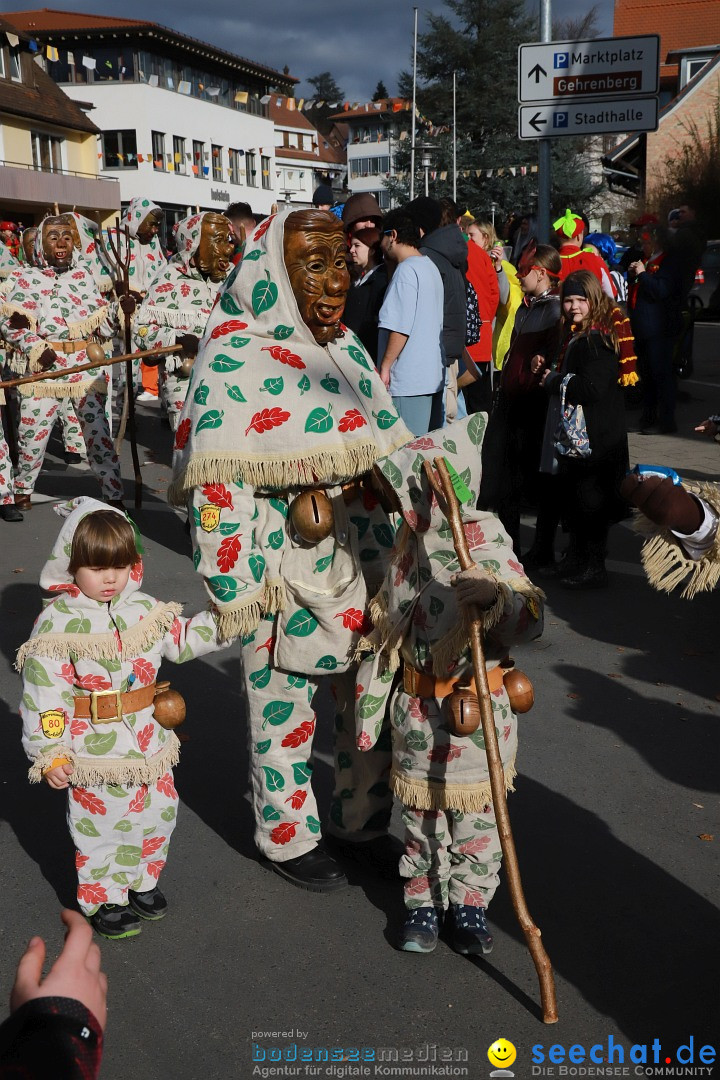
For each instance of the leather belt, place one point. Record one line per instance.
(352, 490)
(70, 346)
(419, 684)
(109, 706)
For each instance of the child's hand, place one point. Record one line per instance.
(537, 364)
(475, 587)
(708, 427)
(58, 777)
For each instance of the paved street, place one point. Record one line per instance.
(618, 781)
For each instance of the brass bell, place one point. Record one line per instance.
(168, 706)
(95, 353)
(519, 690)
(311, 516)
(463, 711)
(185, 367)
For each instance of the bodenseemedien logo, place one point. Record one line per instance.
(502, 1054)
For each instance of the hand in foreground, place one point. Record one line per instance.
(75, 974)
(668, 505)
(537, 363)
(189, 343)
(18, 321)
(475, 586)
(385, 374)
(46, 359)
(128, 304)
(636, 268)
(58, 777)
(708, 427)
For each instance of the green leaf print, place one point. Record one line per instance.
(35, 673)
(257, 567)
(415, 740)
(296, 682)
(384, 535)
(436, 606)
(269, 813)
(322, 564)
(100, 744)
(223, 363)
(393, 474)
(478, 738)
(99, 872)
(476, 428)
(109, 665)
(275, 539)
(197, 556)
(273, 386)
(277, 713)
(282, 333)
(445, 558)
(263, 746)
(61, 605)
(365, 387)
(45, 627)
(264, 295)
(234, 393)
(227, 528)
(203, 632)
(201, 394)
(491, 565)
(280, 506)
(121, 879)
(450, 446)
(128, 855)
(168, 814)
(328, 662)
(213, 418)
(116, 790)
(123, 826)
(483, 826)
(229, 306)
(196, 517)
(369, 705)
(29, 703)
(260, 678)
(320, 420)
(385, 419)
(312, 823)
(359, 357)
(185, 655)
(86, 827)
(303, 385)
(302, 771)
(330, 384)
(254, 255)
(239, 342)
(274, 780)
(361, 524)
(224, 587)
(301, 624)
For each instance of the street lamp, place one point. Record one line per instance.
(426, 152)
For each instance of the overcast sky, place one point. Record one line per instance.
(358, 42)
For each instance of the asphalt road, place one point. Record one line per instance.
(618, 786)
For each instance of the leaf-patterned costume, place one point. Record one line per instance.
(62, 307)
(452, 846)
(271, 413)
(122, 803)
(178, 301)
(91, 253)
(8, 263)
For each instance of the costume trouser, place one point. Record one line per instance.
(7, 490)
(451, 857)
(71, 430)
(121, 834)
(172, 390)
(657, 371)
(281, 730)
(37, 417)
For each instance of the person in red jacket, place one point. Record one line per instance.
(570, 230)
(482, 276)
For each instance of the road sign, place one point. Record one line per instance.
(596, 68)
(587, 118)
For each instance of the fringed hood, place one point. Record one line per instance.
(135, 213)
(187, 241)
(92, 254)
(267, 404)
(55, 575)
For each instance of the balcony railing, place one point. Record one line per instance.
(56, 172)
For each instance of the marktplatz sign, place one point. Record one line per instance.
(587, 118)
(600, 67)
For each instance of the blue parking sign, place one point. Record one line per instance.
(560, 120)
(562, 60)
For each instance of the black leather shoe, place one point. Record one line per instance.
(315, 871)
(592, 577)
(8, 512)
(380, 856)
(72, 458)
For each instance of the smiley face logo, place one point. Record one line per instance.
(502, 1053)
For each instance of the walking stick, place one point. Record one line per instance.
(497, 779)
(159, 350)
(128, 413)
(10, 432)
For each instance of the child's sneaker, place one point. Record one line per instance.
(115, 921)
(470, 932)
(420, 932)
(148, 905)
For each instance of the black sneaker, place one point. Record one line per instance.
(148, 905)
(71, 458)
(113, 921)
(470, 932)
(9, 512)
(420, 932)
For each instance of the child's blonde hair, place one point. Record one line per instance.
(103, 539)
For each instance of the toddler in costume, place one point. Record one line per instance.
(420, 651)
(89, 672)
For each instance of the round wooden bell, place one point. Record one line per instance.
(311, 516)
(95, 353)
(463, 711)
(519, 690)
(168, 706)
(185, 367)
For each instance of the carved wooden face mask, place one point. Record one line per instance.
(149, 227)
(69, 220)
(316, 259)
(58, 244)
(28, 243)
(215, 249)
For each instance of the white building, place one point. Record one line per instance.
(183, 123)
(375, 132)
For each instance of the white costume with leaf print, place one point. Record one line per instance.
(452, 847)
(122, 801)
(270, 413)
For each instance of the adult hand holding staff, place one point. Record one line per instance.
(98, 359)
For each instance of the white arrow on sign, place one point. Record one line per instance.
(596, 68)
(588, 118)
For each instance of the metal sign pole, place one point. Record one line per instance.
(544, 161)
(412, 129)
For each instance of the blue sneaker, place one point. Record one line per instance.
(470, 932)
(420, 932)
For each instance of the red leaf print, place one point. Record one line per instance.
(144, 671)
(474, 534)
(403, 566)
(136, 571)
(144, 737)
(506, 733)
(473, 898)
(71, 590)
(420, 617)
(80, 860)
(228, 327)
(66, 672)
(418, 709)
(176, 631)
(263, 228)
(297, 799)
(166, 786)
(416, 522)
(472, 847)
(284, 832)
(88, 801)
(218, 495)
(445, 753)
(77, 727)
(352, 419)
(267, 419)
(285, 356)
(424, 443)
(164, 288)
(516, 567)
(352, 618)
(151, 844)
(183, 433)
(359, 691)
(93, 682)
(184, 290)
(228, 553)
(154, 869)
(417, 885)
(299, 735)
(92, 894)
(138, 803)
(364, 741)
(266, 645)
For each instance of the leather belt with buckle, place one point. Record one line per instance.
(70, 346)
(419, 684)
(109, 706)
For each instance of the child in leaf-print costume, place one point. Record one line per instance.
(122, 802)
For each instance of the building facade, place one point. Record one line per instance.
(375, 131)
(304, 158)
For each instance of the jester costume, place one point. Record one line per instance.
(82, 654)
(271, 414)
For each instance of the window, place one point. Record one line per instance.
(217, 171)
(234, 166)
(265, 168)
(179, 154)
(119, 149)
(158, 149)
(250, 170)
(2, 63)
(369, 166)
(199, 159)
(46, 151)
(15, 69)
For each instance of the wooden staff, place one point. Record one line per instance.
(497, 777)
(159, 350)
(128, 413)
